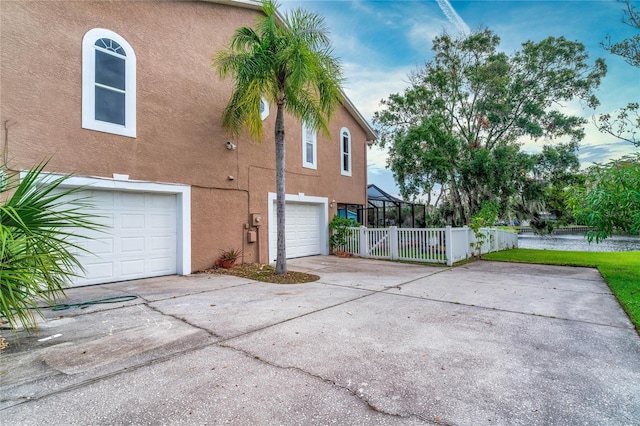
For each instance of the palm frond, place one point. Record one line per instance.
(38, 223)
(289, 62)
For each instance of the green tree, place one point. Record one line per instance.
(36, 256)
(557, 168)
(625, 123)
(629, 48)
(609, 201)
(459, 124)
(290, 63)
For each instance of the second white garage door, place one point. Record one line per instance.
(139, 241)
(303, 228)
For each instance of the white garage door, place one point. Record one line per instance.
(139, 242)
(302, 230)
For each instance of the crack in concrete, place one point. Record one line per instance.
(399, 287)
(25, 399)
(330, 382)
(502, 272)
(510, 311)
(183, 320)
(106, 309)
(196, 292)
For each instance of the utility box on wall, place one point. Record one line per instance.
(256, 219)
(251, 236)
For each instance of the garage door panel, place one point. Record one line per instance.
(131, 199)
(302, 230)
(140, 239)
(162, 243)
(98, 246)
(99, 270)
(134, 245)
(159, 265)
(132, 221)
(107, 198)
(132, 268)
(162, 222)
(162, 202)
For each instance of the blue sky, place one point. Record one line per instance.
(380, 42)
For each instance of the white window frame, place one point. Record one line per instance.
(343, 171)
(314, 141)
(265, 112)
(89, 80)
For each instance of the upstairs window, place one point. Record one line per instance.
(345, 152)
(309, 147)
(264, 108)
(108, 83)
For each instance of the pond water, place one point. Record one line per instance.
(578, 243)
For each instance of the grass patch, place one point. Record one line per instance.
(265, 273)
(621, 270)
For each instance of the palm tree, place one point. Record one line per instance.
(289, 62)
(38, 222)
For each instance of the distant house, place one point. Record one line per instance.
(122, 95)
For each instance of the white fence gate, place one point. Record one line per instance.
(436, 245)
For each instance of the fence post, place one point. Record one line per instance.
(364, 249)
(467, 241)
(393, 241)
(448, 244)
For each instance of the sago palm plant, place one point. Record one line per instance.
(38, 219)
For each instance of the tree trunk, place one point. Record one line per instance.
(281, 260)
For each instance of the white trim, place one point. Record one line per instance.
(306, 164)
(88, 85)
(183, 207)
(264, 114)
(323, 202)
(350, 153)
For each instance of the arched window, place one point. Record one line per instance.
(345, 151)
(108, 83)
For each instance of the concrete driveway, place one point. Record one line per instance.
(372, 342)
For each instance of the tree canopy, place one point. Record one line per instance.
(609, 200)
(459, 124)
(625, 123)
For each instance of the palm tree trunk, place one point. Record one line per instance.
(281, 260)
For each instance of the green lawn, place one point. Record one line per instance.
(621, 270)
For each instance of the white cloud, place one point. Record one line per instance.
(595, 147)
(366, 86)
(421, 34)
(376, 159)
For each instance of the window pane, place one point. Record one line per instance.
(310, 153)
(345, 162)
(110, 70)
(110, 106)
(345, 144)
(109, 44)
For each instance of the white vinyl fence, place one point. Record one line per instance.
(436, 245)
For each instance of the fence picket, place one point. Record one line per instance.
(432, 245)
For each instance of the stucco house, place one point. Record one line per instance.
(122, 94)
